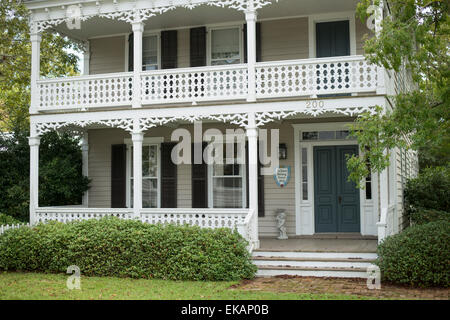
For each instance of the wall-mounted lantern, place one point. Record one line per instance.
(282, 151)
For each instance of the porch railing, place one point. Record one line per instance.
(235, 219)
(307, 77)
(106, 90)
(194, 84)
(388, 224)
(312, 77)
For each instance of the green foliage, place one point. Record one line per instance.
(430, 190)
(60, 177)
(427, 197)
(124, 248)
(424, 216)
(415, 37)
(419, 256)
(16, 71)
(5, 219)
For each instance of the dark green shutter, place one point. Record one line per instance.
(198, 47)
(258, 42)
(131, 52)
(118, 175)
(332, 39)
(169, 49)
(261, 208)
(199, 182)
(168, 177)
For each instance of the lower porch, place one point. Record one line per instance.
(216, 197)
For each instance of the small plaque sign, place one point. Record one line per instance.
(282, 175)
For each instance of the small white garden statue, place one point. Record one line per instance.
(281, 222)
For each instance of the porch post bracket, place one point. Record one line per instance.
(122, 123)
(52, 16)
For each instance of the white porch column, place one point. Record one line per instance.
(381, 72)
(138, 29)
(34, 142)
(252, 135)
(35, 38)
(85, 161)
(250, 17)
(86, 58)
(137, 138)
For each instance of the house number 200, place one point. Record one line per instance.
(315, 104)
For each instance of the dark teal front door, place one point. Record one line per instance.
(336, 200)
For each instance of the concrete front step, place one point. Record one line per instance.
(324, 264)
(322, 255)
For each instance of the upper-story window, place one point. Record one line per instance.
(225, 46)
(150, 52)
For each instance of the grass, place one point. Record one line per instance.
(39, 286)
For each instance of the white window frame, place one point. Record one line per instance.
(240, 27)
(211, 186)
(146, 142)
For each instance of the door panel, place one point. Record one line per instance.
(325, 189)
(336, 199)
(348, 208)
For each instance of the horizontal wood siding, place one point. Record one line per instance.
(107, 55)
(284, 39)
(361, 30)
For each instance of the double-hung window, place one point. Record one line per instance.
(228, 183)
(150, 52)
(150, 176)
(225, 46)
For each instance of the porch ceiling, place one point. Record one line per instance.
(203, 15)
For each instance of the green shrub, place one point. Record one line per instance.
(124, 248)
(419, 256)
(430, 190)
(5, 219)
(423, 216)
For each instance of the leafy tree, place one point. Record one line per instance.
(16, 70)
(61, 180)
(60, 177)
(415, 38)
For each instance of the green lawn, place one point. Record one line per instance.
(14, 285)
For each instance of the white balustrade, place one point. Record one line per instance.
(235, 219)
(312, 77)
(307, 77)
(205, 218)
(388, 224)
(194, 84)
(107, 90)
(65, 214)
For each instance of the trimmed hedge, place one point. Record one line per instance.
(423, 216)
(419, 256)
(124, 248)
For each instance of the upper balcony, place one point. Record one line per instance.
(189, 52)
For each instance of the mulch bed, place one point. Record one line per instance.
(341, 286)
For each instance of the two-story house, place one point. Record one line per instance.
(154, 66)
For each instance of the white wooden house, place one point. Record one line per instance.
(154, 65)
